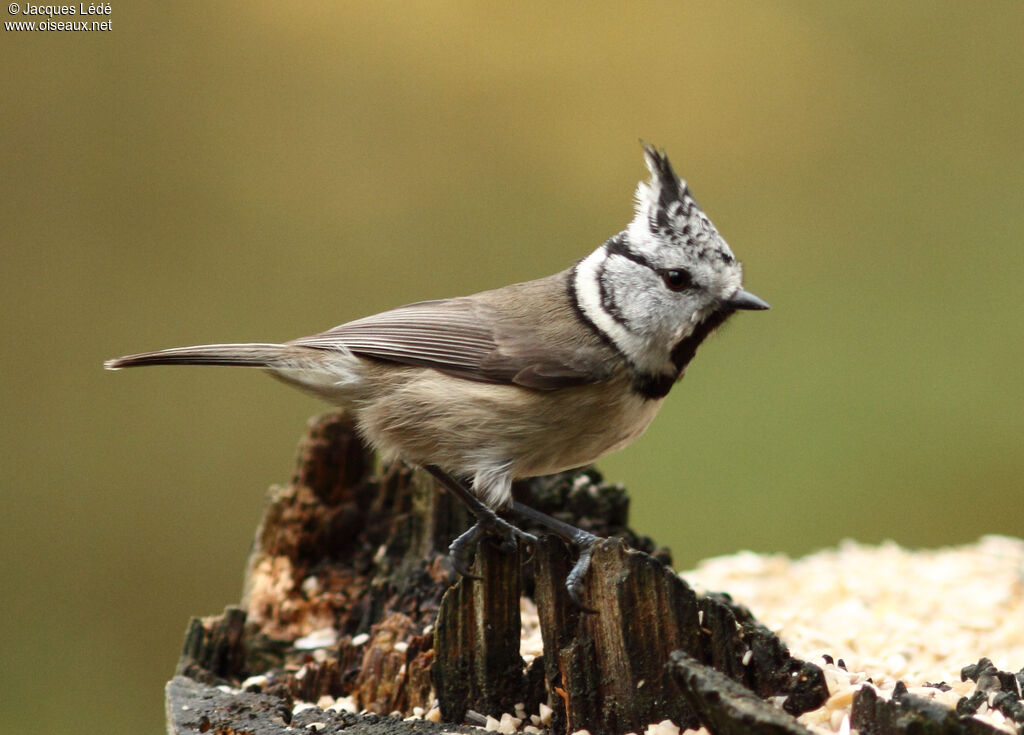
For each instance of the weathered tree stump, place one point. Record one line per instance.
(728, 707)
(349, 593)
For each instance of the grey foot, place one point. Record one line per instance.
(462, 548)
(582, 540)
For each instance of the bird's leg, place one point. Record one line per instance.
(582, 540)
(487, 521)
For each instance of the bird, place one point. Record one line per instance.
(528, 379)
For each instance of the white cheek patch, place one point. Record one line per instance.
(632, 346)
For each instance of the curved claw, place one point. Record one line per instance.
(521, 534)
(461, 550)
(574, 581)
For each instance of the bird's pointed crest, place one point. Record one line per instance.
(667, 211)
(665, 187)
(665, 196)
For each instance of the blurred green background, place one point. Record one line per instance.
(259, 171)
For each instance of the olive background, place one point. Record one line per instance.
(258, 171)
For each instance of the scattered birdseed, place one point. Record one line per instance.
(545, 713)
(665, 727)
(360, 639)
(344, 704)
(508, 724)
(259, 681)
(321, 638)
(311, 585)
(893, 615)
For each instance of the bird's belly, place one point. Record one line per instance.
(465, 426)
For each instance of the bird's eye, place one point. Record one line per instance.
(676, 279)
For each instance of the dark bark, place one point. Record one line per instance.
(726, 707)
(907, 714)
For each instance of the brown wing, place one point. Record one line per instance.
(468, 337)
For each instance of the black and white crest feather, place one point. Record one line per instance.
(667, 211)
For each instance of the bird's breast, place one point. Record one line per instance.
(427, 417)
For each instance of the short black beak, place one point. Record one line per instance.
(746, 300)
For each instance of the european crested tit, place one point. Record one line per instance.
(528, 379)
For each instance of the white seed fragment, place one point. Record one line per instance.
(254, 681)
(320, 638)
(842, 698)
(508, 724)
(344, 704)
(311, 585)
(835, 719)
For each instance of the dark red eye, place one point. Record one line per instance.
(676, 279)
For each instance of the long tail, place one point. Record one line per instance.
(248, 355)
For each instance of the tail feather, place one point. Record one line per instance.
(248, 355)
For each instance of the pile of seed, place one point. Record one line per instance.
(881, 615)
